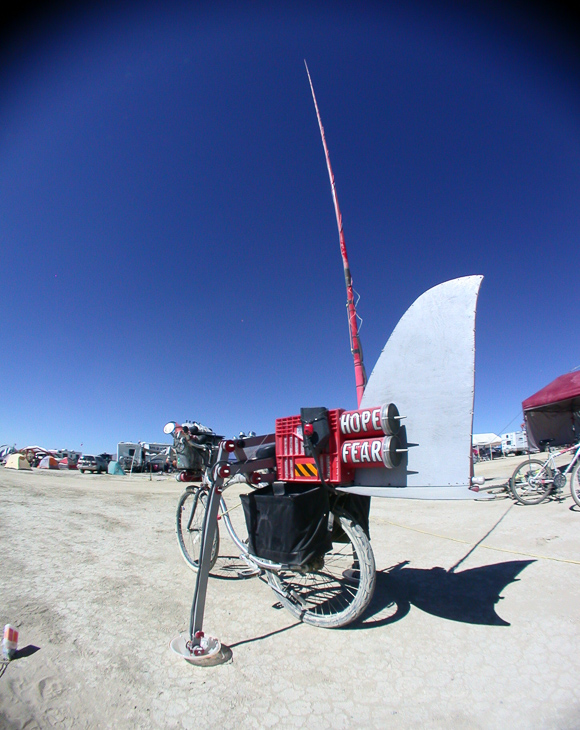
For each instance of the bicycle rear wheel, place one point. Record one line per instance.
(531, 482)
(575, 484)
(336, 592)
(190, 515)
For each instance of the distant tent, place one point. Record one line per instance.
(485, 439)
(485, 442)
(554, 412)
(66, 463)
(6, 451)
(48, 462)
(115, 468)
(17, 461)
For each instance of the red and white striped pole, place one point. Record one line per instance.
(355, 345)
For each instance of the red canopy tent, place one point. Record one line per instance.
(554, 412)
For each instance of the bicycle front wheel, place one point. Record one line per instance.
(336, 592)
(191, 511)
(575, 484)
(531, 482)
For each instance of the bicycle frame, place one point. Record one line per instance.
(327, 592)
(258, 562)
(216, 477)
(550, 461)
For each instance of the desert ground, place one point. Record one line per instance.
(475, 622)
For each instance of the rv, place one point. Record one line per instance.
(130, 456)
(514, 443)
(72, 456)
(137, 456)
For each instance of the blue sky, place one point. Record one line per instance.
(169, 248)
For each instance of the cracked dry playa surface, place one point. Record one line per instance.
(92, 576)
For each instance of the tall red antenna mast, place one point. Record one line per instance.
(355, 346)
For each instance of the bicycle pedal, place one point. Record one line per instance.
(250, 571)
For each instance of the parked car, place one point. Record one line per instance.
(87, 462)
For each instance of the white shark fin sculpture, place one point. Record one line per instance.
(427, 370)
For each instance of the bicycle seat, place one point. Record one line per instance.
(543, 443)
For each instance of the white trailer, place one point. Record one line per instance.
(515, 442)
(130, 455)
(136, 456)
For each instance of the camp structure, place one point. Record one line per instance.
(67, 463)
(17, 461)
(554, 412)
(115, 468)
(483, 443)
(48, 462)
(485, 439)
(138, 456)
(5, 451)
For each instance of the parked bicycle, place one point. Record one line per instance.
(327, 578)
(533, 480)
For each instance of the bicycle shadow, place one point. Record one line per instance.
(468, 596)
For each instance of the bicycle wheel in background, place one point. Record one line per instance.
(531, 482)
(190, 514)
(339, 591)
(575, 484)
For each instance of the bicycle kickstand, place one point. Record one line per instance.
(201, 649)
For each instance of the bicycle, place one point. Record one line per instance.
(534, 480)
(330, 590)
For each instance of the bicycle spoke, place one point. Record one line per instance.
(531, 482)
(325, 592)
(190, 516)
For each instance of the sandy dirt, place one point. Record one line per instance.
(475, 621)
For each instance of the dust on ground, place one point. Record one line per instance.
(474, 623)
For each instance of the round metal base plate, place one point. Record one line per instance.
(211, 651)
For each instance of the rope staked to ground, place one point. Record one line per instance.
(487, 547)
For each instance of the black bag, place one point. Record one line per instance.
(289, 528)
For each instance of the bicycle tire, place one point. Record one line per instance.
(520, 487)
(191, 510)
(338, 593)
(575, 484)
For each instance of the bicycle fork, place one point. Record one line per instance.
(209, 528)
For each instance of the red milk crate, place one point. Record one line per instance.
(294, 466)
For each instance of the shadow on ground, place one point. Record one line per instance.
(26, 651)
(469, 596)
(20, 654)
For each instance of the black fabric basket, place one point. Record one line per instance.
(290, 528)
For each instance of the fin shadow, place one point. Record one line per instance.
(468, 596)
(264, 636)
(26, 651)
